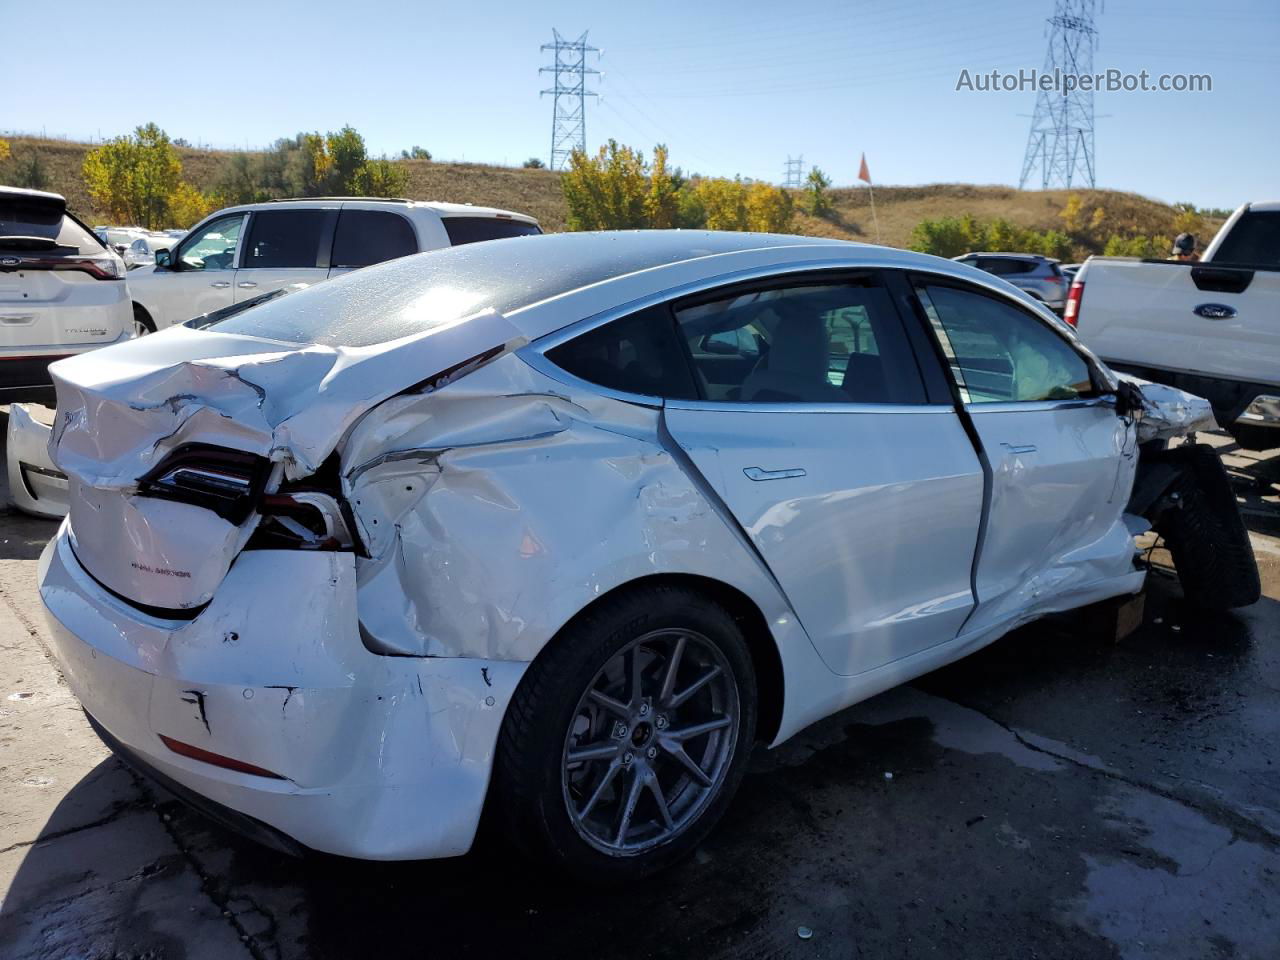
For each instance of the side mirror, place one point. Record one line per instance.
(720, 347)
(164, 258)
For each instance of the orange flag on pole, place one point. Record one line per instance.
(863, 173)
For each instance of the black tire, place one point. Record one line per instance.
(530, 796)
(1255, 438)
(142, 321)
(1206, 536)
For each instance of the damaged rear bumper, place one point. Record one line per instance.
(374, 757)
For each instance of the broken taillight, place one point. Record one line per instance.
(228, 482)
(1072, 312)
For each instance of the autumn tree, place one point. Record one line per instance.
(132, 177)
(816, 186)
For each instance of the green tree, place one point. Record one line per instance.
(816, 186)
(533, 163)
(769, 209)
(725, 203)
(380, 178)
(415, 153)
(132, 177)
(608, 191)
(662, 204)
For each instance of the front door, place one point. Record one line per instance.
(285, 246)
(863, 499)
(1061, 459)
(201, 278)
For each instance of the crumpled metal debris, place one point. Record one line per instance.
(1168, 412)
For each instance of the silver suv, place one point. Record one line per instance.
(1039, 276)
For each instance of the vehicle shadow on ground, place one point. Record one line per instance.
(819, 836)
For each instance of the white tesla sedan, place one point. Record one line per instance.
(564, 524)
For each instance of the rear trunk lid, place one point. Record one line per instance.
(143, 424)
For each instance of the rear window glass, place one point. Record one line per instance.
(1255, 239)
(284, 238)
(474, 229)
(365, 237)
(415, 294)
(42, 220)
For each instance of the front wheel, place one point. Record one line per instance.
(1206, 536)
(629, 735)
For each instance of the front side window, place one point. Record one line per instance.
(634, 354)
(836, 342)
(214, 247)
(998, 353)
(285, 238)
(365, 237)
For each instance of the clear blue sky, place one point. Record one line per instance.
(731, 87)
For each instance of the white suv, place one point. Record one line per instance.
(244, 251)
(61, 291)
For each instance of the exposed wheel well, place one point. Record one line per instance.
(764, 651)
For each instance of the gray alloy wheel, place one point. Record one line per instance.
(650, 743)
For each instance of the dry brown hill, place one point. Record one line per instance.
(537, 192)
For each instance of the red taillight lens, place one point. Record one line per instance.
(216, 759)
(1072, 312)
(100, 268)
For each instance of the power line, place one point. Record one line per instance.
(1060, 143)
(569, 96)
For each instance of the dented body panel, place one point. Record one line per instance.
(476, 499)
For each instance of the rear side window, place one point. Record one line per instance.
(284, 238)
(819, 343)
(1255, 239)
(474, 229)
(366, 237)
(635, 354)
(1006, 266)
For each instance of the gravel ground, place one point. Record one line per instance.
(1059, 794)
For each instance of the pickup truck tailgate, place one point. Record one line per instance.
(1195, 317)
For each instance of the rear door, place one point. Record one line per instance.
(285, 246)
(1061, 459)
(200, 277)
(863, 497)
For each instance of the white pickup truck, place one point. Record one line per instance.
(1211, 327)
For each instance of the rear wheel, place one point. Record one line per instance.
(142, 322)
(1206, 536)
(628, 736)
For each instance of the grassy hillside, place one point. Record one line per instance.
(537, 192)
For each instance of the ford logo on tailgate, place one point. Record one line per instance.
(1215, 311)
(10, 261)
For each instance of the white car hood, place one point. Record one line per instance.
(122, 410)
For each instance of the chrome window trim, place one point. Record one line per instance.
(800, 407)
(1031, 406)
(534, 353)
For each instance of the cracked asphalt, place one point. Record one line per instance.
(1059, 794)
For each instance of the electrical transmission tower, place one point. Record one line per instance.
(795, 172)
(569, 96)
(1061, 140)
